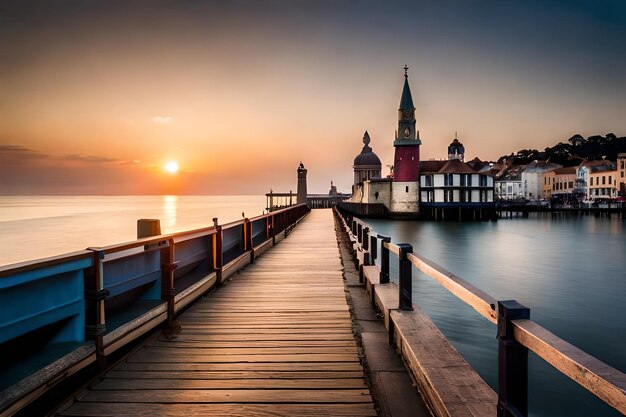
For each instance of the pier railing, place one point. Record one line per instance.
(65, 313)
(516, 332)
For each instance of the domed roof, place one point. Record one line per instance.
(456, 143)
(367, 157)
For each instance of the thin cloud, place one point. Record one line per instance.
(89, 158)
(21, 152)
(163, 120)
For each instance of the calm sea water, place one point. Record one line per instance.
(36, 227)
(571, 273)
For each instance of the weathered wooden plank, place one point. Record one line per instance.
(448, 383)
(206, 375)
(227, 384)
(242, 366)
(207, 357)
(230, 396)
(479, 300)
(250, 343)
(199, 335)
(602, 380)
(286, 350)
(234, 410)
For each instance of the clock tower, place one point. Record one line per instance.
(406, 167)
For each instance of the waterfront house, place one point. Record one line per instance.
(531, 178)
(508, 183)
(559, 182)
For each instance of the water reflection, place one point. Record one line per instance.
(569, 271)
(170, 210)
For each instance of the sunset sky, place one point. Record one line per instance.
(97, 96)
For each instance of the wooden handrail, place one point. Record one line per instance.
(479, 300)
(392, 247)
(605, 382)
(602, 380)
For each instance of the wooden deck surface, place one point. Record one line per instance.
(276, 340)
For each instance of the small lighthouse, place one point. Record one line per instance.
(302, 192)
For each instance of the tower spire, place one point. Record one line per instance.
(406, 101)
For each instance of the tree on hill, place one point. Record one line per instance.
(573, 151)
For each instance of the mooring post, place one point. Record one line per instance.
(384, 259)
(406, 279)
(512, 362)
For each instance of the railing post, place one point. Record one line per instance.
(354, 227)
(95, 294)
(373, 248)
(272, 231)
(384, 260)
(218, 257)
(247, 233)
(359, 233)
(168, 291)
(365, 239)
(406, 280)
(512, 362)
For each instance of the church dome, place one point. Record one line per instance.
(455, 144)
(367, 157)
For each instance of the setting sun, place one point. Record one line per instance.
(171, 167)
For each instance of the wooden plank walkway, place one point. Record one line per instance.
(276, 340)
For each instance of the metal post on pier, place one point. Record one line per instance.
(365, 238)
(217, 251)
(406, 279)
(247, 233)
(359, 233)
(512, 362)
(373, 249)
(354, 227)
(384, 259)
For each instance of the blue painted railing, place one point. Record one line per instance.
(81, 307)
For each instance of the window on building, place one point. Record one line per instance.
(448, 196)
(429, 180)
(469, 180)
(603, 180)
(407, 188)
(610, 178)
(483, 181)
(463, 179)
(570, 184)
(447, 180)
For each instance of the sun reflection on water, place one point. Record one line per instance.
(170, 210)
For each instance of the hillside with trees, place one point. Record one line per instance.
(572, 152)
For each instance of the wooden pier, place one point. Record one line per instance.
(275, 340)
(274, 336)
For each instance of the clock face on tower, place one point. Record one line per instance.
(407, 132)
(407, 114)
